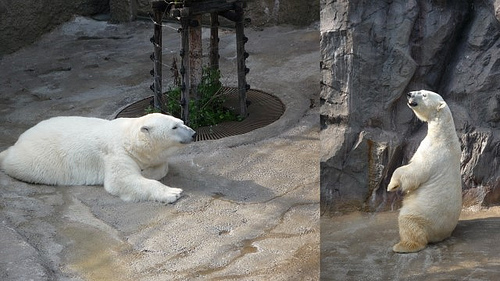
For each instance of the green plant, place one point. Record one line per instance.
(205, 110)
(173, 98)
(151, 109)
(209, 109)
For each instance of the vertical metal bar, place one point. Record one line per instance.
(185, 70)
(241, 56)
(159, 102)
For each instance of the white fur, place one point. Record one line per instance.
(127, 155)
(431, 181)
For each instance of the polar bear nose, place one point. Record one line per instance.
(194, 136)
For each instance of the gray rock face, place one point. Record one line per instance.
(122, 10)
(23, 21)
(266, 12)
(371, 55)
(271, 12)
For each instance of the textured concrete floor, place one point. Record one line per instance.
(358, 246)
(250, 209)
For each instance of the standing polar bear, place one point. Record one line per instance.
(431, 181)
(126, 155)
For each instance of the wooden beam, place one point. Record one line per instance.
(214, 41)
(207, 6)
(195, 55)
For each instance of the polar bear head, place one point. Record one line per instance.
(151, 138)
(426, 105)
(163, 130)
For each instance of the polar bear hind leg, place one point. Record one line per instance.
(413, 234)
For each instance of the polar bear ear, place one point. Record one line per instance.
(441, 105)
(145, 129)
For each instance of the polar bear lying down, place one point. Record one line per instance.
(431, 181)
(127, 155)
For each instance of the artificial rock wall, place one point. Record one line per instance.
(268, 12)
(23, 21)
(372, 54)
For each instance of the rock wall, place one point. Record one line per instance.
(372, 54)
(272, 12)
(23, 21)
(268, 12)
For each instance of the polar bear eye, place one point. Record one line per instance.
(175, 127)
(145, 129)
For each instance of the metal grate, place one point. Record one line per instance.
(263, 109)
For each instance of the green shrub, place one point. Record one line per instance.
(208, 109)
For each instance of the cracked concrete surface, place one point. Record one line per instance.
(250, 209)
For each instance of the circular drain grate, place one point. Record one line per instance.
(263, 109)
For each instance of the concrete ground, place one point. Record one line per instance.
(358, 247)
(250, 209)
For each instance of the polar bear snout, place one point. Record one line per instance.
(189, 139)
(189, 135)
(411, 99)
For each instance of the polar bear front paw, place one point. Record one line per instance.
(168, 195)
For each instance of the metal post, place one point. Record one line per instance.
(159, 103)
(185, 70)
(241, 56)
